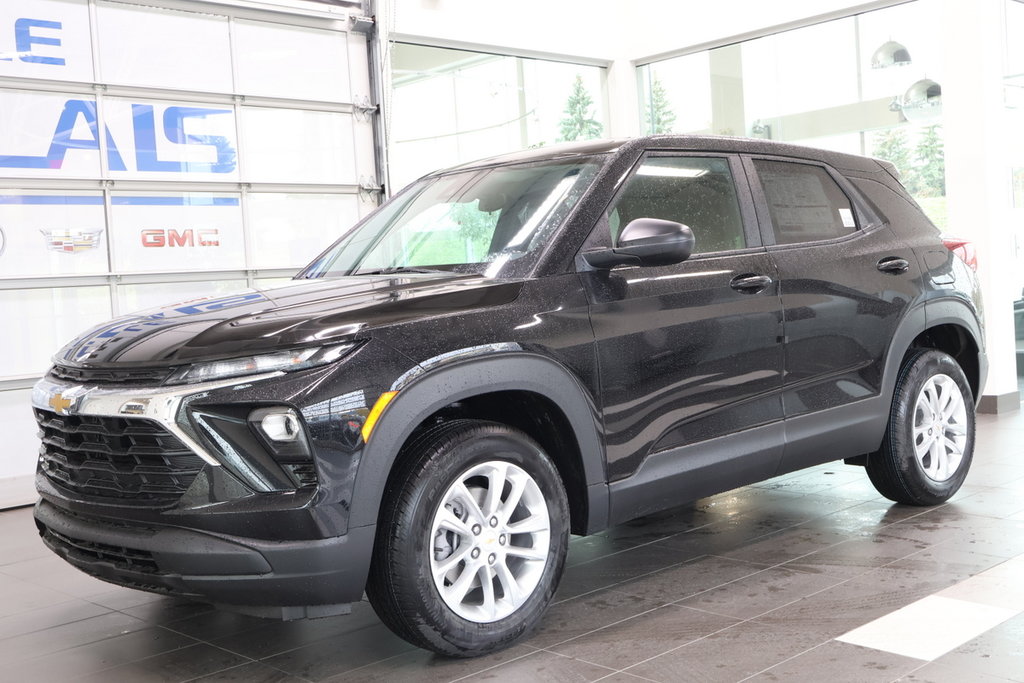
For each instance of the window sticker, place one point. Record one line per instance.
(800, 202)
(846, 215)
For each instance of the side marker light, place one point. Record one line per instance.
(375, 413)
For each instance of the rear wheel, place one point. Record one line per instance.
(929, 442)
(472, 542)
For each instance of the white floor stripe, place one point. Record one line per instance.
(933, 626)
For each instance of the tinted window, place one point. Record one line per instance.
(697, 192)
(805, 202)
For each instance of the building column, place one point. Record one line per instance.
(978, 186)
(622, 96)
(728, 113)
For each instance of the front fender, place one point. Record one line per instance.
(422, 393)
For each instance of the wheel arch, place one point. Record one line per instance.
(954, 327)
(534, 384)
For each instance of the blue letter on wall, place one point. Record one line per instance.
(24, 40)
(174, 129)
(62, 140)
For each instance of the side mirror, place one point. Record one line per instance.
(645, 242)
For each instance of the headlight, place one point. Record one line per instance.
(284, 361)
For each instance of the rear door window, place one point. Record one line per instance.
(804, 201)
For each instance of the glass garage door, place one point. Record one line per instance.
(151, 155)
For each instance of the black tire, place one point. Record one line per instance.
(896, 470)
(408, 547)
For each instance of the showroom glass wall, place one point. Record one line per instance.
(865, 84)
(152, 155)
(451, 106)
(1013, 86)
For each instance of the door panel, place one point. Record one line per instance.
(691, 351)
(842, 299)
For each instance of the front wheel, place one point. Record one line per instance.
(472, 540)
(929, 443)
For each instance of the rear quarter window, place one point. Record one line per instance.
(805, 202)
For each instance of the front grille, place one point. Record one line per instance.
(82, 552)
(129, 376)
(117, 460)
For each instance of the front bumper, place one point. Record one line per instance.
(120, 503)
(284, 579)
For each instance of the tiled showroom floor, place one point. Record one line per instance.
(770, 582)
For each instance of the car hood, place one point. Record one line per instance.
(303, 312)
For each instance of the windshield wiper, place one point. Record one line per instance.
(400, 269)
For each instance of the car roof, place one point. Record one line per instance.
(686, 143)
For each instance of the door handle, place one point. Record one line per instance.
(750, 283)
(893, 265)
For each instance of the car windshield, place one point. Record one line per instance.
(475, 221)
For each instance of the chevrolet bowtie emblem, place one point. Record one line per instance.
(60, 404)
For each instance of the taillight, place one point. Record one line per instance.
(964, 249)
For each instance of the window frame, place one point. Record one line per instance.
(741, 184)
(866, 220)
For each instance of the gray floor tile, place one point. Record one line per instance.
(67, 635)
(615, 569)
(55, 574)
(43, 618)
(759, 593)
(572, 618)
(688, 579)
(420, 666)
(18, 596)
(998, 653)
(253, 672)
(936, 672)
(545, 666)
(332, 657)
(838, 662)
(788, 544)
(643, 637)
(854, 557)
(730, 655)
(586, 548)
(98, 656)
(273, 637)
(179, 665)
(991, 502)
(857, 601)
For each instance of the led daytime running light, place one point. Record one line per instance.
(279, 361)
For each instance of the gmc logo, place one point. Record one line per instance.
(206, 237)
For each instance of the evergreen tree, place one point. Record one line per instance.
(931, 158)
(475, 228)
(579, 123)
(659, 115)
(892, 146)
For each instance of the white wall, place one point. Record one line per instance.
(612, 34)
(601, 29)
(574, 28)
(671, 25)
(20, 445)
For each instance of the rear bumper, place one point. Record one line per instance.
(284, 579)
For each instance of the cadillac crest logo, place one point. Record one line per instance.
(71, 241)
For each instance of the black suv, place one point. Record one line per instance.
(507, 352)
